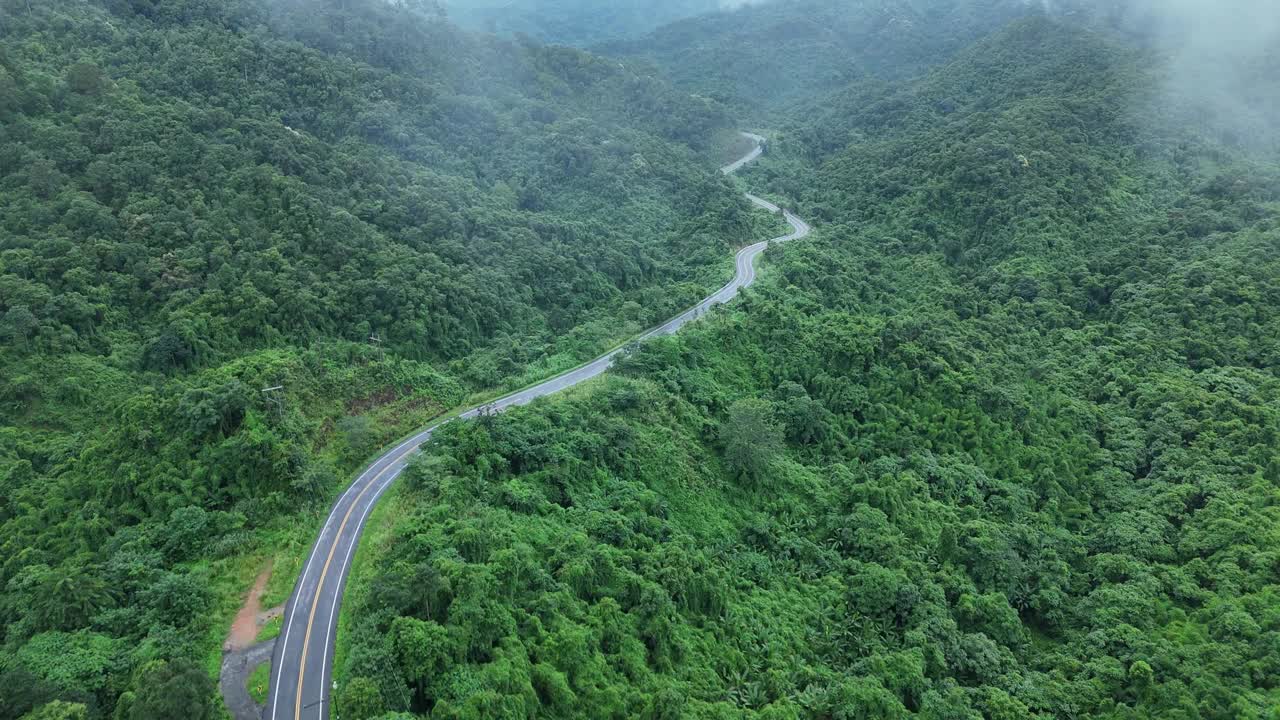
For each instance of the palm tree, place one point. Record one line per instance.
(70, 597)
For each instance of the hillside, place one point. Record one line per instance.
(243, 245)
(573, 22)
(763, 58)
(1000, 441)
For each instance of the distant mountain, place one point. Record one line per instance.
(574, 22)
(763, 57)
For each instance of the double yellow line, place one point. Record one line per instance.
(324, 572)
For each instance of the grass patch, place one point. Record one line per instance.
(228, 579)
(378, 532)
(291, 546)
(259, 683)
(271, 629)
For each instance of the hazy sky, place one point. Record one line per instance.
(1213, 52)
(1216, 51)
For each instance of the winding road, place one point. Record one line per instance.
(302, 663)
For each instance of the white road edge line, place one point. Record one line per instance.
(346, 566)
(745, 258)
(306, 570)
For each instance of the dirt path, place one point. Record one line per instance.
(239, 654)
(244, 629)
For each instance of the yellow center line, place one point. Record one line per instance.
(315, 601)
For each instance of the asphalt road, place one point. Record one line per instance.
(302, 664)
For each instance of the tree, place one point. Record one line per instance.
(806, 420)
(186, 533)
(85, 79)
(360, 700)
(751, 437)
(9, 97)
(65, 597)
(358, 435)
(174, 690)
(312, 482)
(167, 352)
(59, 710)
(22, 691)
(422, 648)
(18, 324)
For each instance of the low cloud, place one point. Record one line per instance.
(1219, 58)
(1224, 56)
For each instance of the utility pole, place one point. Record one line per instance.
(275, 399)
(378, 341)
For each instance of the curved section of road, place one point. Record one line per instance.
(302, 664)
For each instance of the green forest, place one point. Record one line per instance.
(573, 22)
(765, 58)
(353, 202)
(1002, 441)
(999, 441)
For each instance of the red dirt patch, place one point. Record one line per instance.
(244, 629)
(270, 614)
(415, 405)
(385, 396)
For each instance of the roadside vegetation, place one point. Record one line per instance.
(259, 683)
(999, 441)
(245, 244)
